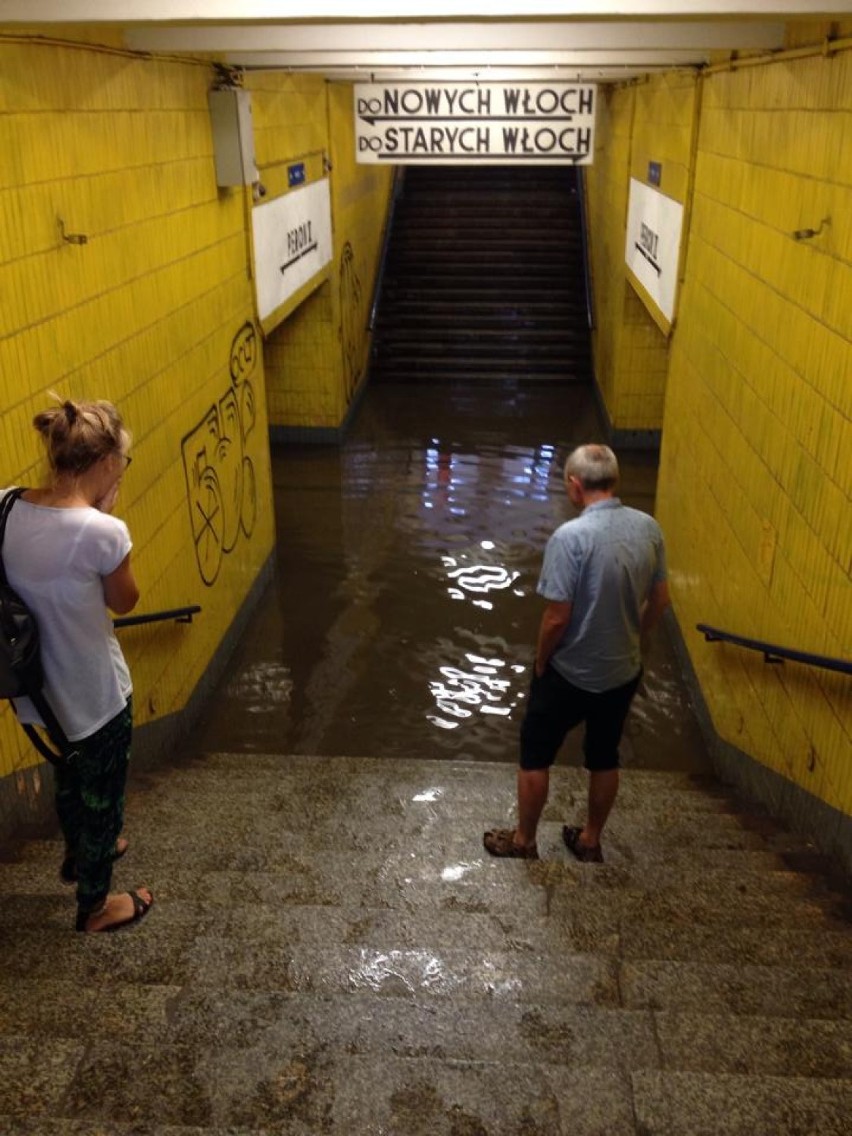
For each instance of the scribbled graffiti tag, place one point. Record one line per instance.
(351, 320)
(220, 477)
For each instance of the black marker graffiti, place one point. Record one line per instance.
(351, 321)
(220, 477)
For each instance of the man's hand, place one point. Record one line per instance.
(652, 610)
(554, 624)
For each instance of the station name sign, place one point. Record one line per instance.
(465, 124)
(292, 244)
(652, 249)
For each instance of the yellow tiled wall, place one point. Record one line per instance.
(317, 357)
(360, 198)
(303, 366)
(155, 312)
(756, 467)
(648, 121)
(607, 181)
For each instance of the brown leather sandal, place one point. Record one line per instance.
(585, 854)
(501, 842)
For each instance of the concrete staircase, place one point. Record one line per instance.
(331, 951)
(484, 279)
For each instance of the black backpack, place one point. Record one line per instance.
(20, 660)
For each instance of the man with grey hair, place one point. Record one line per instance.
(604, 580)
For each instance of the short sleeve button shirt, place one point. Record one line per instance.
(604, 564)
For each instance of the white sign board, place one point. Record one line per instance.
(445, 124)
(654, 226)
(292, 243)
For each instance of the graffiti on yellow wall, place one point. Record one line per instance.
(220, 475)
(351, 321)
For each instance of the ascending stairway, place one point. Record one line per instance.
(484, 279)
(331, 953)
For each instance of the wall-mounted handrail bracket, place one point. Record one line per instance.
(774, 654)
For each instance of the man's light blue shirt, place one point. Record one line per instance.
(604, 564)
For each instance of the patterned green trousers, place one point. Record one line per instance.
(90, 805)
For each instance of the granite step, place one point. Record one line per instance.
(423, 1026)
(331, 951)
(704, 1104)
(246, 1092)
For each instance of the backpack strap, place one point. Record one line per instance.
(61, 759)
(51, 723)
(54, 732)
(5, 509)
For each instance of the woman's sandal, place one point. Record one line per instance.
(141, 907)
(68, 867)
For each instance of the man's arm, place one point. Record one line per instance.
(657, 602)
(554, 624)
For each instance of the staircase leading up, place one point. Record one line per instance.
(484, 279)
(332, 952)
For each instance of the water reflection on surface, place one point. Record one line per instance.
(403, 616)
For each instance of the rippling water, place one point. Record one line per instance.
(403, 616)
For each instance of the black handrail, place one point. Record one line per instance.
(584, 239)
(396, 193)
(772, 653)
(178, 614)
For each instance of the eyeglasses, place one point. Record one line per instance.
(127, 459)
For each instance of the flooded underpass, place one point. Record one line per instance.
(402, 618)
(332, 952)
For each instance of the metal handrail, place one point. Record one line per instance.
(178, 614)
(774, 654)
(584, 239)
(398, 179)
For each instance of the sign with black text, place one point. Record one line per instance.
(474, 123)
(292, 243)
(652, 251)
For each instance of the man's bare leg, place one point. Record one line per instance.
(603, 789)
(533, 786)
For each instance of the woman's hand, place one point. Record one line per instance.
(107, 502)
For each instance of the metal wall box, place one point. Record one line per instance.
(233, 136)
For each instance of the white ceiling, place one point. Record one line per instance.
(579, 39)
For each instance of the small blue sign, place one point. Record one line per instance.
(655, 173)
(296, 174)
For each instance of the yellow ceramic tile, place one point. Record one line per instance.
(768, 366)
(144, 313)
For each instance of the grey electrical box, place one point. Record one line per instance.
(233, 136)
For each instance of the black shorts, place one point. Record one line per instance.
(556, 706)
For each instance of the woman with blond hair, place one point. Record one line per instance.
(69, 560)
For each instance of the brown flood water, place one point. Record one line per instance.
(403, 614)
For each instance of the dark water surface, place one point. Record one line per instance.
(403, 616)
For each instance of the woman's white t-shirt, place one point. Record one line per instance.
(55, 560)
